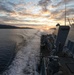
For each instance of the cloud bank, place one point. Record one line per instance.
(35, 12)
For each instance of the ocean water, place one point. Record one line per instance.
(18, 36)
(28, 46)
(27, 43)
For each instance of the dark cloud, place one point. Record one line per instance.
(70, 12)
(10, 7)
(12, 19)
(13, 4)
(7, 18)
(61, 14)
(67, 1)
(62, 2)
(44, 4)
(6, 7)
(57, 5)
(20, 11)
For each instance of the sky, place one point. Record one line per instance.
(35, 12)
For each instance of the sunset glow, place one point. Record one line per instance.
(35, 12)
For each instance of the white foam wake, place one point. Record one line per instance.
(26, 58)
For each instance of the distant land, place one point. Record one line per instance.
(2, 26)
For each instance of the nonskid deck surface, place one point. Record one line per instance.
(67, 65)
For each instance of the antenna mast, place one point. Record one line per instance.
(65, 12)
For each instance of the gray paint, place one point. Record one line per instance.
(61, 37)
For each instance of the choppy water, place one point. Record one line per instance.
(27, 56)
(18, 36)
(11, 35)
(28, 47)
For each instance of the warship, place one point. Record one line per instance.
(57, 52)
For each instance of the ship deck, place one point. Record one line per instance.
(67, 65)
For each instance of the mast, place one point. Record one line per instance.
(65, 12)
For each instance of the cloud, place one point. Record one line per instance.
(61, 3)
(67, 1)
(29, 12)
(60, 15)
(44, 4)
(58, 12)
(10, 7)
(6, 6)
(57, 5)
(7, 18)
(13, 4)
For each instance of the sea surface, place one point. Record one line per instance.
(16, 35)
(27, 43)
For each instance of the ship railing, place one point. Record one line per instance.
(69, 49)
(43, 67)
